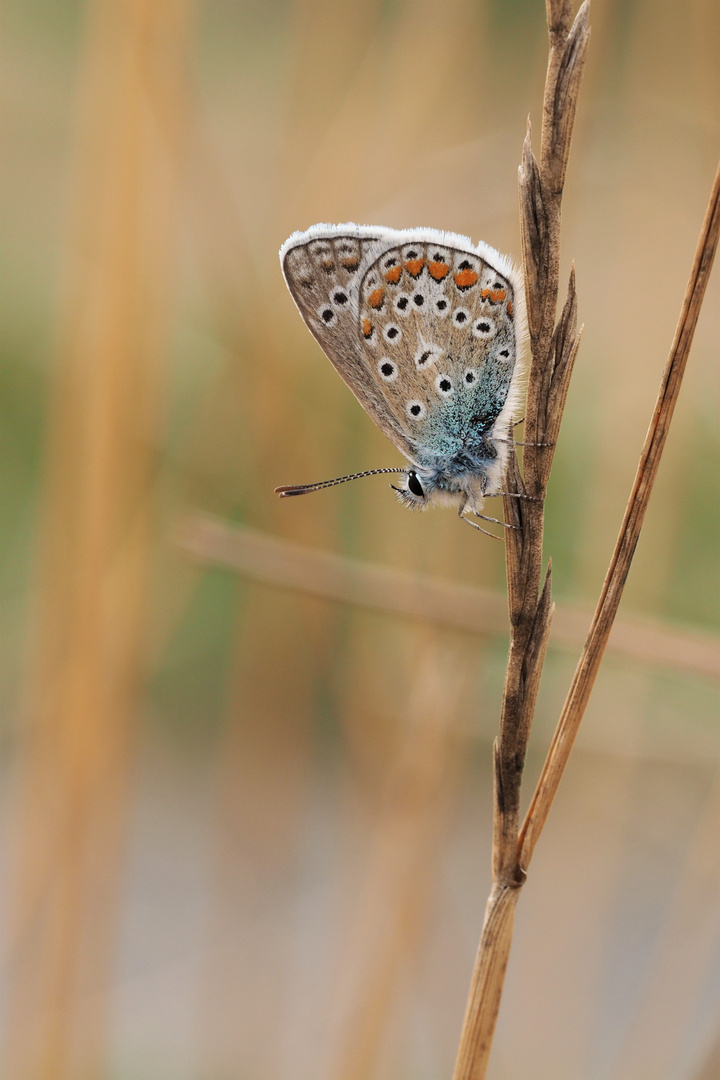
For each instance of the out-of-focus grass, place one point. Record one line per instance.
(397, 113)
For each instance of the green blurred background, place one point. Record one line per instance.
(246, 829)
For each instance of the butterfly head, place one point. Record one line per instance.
(422, 488)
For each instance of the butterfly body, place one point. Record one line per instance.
(428, 332)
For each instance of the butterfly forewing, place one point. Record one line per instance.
(324, 269)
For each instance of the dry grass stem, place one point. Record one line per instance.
(553, 353)
(288, 565)
(616, 576)
(553, 350)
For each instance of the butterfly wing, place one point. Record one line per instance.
(441, 332)
(323, 268)
(424, 327)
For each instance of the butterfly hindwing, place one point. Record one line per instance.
(437, 321)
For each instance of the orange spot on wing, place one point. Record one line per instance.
(392, 276)
(510, 309)
(350, 263)
(465, 278)
(414, 266)
(438, 270)
(367, 328)
(498, 295)
(377, 297)
(485, 293)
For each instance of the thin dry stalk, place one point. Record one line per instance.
(553, 351)
(619, 568)
(548, 387)
(287, 565)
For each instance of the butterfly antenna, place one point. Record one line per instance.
(303, 489)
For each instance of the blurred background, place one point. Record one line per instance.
(245, 787)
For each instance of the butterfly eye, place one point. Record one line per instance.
(414, 485)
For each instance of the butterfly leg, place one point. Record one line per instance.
(515, 442)
(541, 444)
(475, 525)
(483, 517)
(511, 495)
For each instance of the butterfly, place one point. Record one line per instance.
(428, 330)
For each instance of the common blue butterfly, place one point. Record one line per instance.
(428, 330)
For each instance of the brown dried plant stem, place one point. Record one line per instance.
(553, 351)
(282, 563)
(494, 948)
(626, 543)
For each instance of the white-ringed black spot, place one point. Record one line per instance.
(392, 333)
(414, 485)
(444, 385)
(442, 307)
(460, 316)
(327, 314)
(505, 352)
(483, 328)
(388, 369)
(418, 299)
(470, 376)
(339, 297)
(415, 410)
(402, 304)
